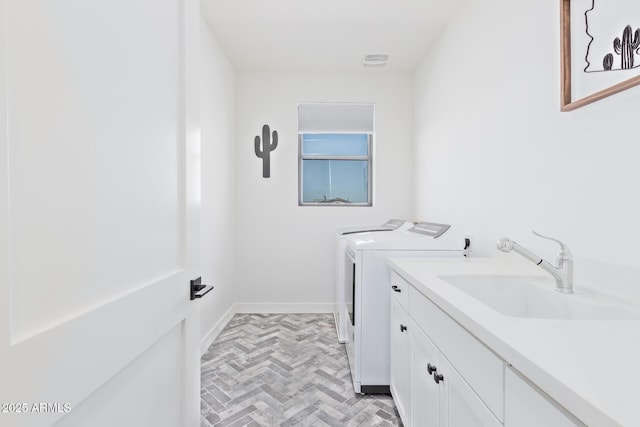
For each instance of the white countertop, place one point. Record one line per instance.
(591, 367)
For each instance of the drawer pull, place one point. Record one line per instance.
(402, 328)
(431, 368)
(438, 377)
(396, 289)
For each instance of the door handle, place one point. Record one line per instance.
(396, 289)
(198, 290)
(402, 328)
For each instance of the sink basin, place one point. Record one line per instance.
(536, 297)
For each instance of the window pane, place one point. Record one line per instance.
(326, 181)
(356, 144)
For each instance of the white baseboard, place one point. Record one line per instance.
(283, 308)
(213, 333)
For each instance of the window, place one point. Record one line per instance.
(335, 169)
(334, 154)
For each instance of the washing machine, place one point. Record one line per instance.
(339, 306)
(366, 283)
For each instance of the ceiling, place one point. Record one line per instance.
(325, 35)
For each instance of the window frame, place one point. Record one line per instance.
(368, 158)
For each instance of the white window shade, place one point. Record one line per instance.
(335, 118)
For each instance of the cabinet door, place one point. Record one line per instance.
(461, 407)
(400, 381)
(525, 406)
(426, 394)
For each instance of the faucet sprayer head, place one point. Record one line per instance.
(505, 244)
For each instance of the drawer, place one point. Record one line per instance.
(478, 366)
(400, 290)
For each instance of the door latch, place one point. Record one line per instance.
(198, 290)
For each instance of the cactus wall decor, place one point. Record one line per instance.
(263, 149)
(606, 49)
(627, 47)
(601, 44)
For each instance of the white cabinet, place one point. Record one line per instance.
(525, 406)
(463, 406)
(400, 360)
(479, 366)
(440, 396)
(428, 391)
(442, 376)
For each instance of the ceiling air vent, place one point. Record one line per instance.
(375, 60)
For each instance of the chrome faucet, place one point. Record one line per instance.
(562, 272)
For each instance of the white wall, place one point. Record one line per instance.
(217, 87)
(495, 155)
(284, 252)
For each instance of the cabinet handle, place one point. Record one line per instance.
(402, 328)
(396, 289)
(431, 368)
(438, 377)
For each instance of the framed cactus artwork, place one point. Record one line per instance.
(600, 48)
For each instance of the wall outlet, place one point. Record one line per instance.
(468, 244)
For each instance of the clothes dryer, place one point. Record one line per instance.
(366, 283)
(339, 305)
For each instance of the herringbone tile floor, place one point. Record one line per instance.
(284, 370)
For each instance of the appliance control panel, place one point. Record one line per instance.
(431, 229)
(393, 224)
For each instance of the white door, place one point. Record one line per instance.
(99, 216)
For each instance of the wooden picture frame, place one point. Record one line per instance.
(567, 103)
